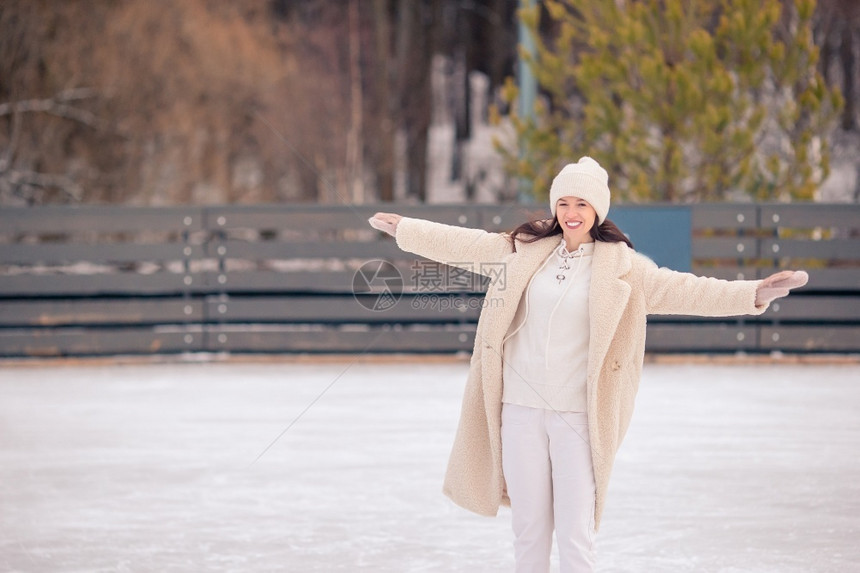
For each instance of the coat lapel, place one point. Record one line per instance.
(532, 256)
(523, 265)
(607, 300)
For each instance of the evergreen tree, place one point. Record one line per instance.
(680, 100)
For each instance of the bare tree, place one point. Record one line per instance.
(29, 185)
(219, 101)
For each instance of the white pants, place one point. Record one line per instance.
(546, 458)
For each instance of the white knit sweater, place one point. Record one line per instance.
(546, 351)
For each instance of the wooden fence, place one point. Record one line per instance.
(317, 279)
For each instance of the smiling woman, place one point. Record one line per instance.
(556, 366)
(592, 186)
(576, 217)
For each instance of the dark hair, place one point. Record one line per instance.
(607, 232)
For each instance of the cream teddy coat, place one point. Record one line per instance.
(625, 287)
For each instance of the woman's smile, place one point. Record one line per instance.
(576, 217)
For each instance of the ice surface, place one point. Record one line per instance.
(151, 468)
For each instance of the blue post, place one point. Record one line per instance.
(527, 89)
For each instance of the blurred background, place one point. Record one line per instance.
(197, 176)
(351, 101)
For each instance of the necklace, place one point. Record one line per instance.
(565, 257)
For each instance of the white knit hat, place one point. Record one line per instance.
(585, 179)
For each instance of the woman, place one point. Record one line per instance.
(558, 357)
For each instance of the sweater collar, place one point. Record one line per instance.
(585, 250)
(618, 253)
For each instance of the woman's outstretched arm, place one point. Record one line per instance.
(448, 244)
(671, 292)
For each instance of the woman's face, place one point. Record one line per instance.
(576, 217)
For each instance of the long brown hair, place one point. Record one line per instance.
(607, 231)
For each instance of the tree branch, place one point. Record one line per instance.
(16, 180)
(56, 106)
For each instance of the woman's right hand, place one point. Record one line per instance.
(777, 285)
(386, 222)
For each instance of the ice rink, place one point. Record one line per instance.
(151, 467)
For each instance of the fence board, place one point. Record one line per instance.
(344, 309)
(42, 253)
(269, 281)
(700, 337)
(807, 216)
(815, 309)
(99, 311)
(828, 249)
(460, 215)
(831, 279)
(236, 249)
(105, 219)
(327, 217)
(725, 248)
(96, 341)
(508, 217)
(810, 338)
(274, 218)
(724, 216)
(33, 285)
(238, 338)
(334, 282)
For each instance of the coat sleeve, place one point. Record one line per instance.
(452, 245)
(673, 292)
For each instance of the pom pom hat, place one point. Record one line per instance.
(585, 179)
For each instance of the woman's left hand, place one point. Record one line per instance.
(386, 222)
(777, 285)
